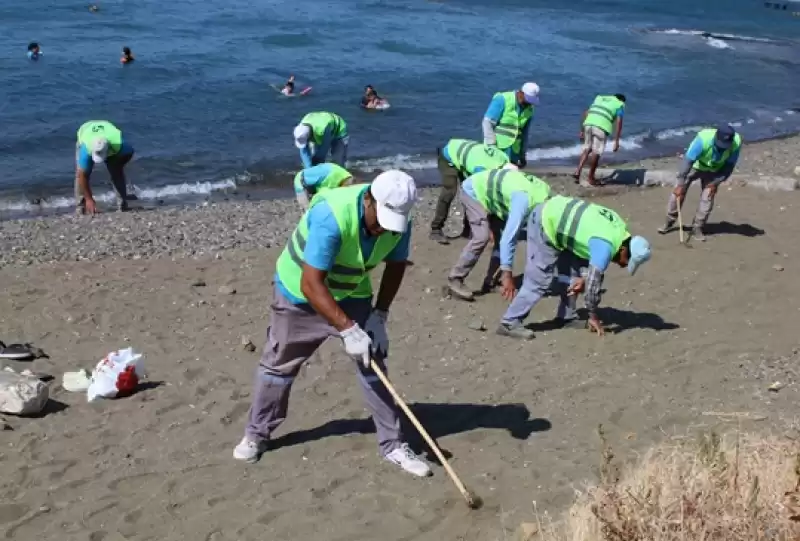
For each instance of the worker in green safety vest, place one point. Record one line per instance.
(602, 118)
(318, 179)
(319, 135)
(711, 159)
(323, 289)
(457, 160)
(497, 203)
(506, 122)
(566, 232)
(99, 141)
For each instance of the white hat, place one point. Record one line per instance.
(531, 92)
(395, 193)
(511, 166)
(100, 150)
(301, 134)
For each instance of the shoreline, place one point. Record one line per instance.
(212, 227)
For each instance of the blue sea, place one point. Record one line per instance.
(200, 109)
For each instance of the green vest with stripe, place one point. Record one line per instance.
(603, 113)
(467, 156)
(494, 188)
(569, 223)
(337, 176)
(319, 122)
(349, 276)
(706, 161)
(90, 131)
(509, 128)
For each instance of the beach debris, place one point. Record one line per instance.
(198, 283)
(527, 531)
(76, 382)
(797, 171)
(778, 268)
(226, 290)
(22, 393)
(776, 386)
(247, 344)
(477, 324)
(736, 415)
(117, 375)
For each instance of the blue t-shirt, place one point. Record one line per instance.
(85, 161)
(696, 149)
(325, 239)
(495, 111)
(600, 253)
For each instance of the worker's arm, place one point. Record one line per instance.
(83, 171)
(727, 169)
(394, 271)
(692, 154)
(618, 125)
(322, 246)
(517, 213)
(600, 255)
(305, 156)
(583, 119)
(523, 159)
(491, 118)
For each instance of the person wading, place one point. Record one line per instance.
(711, 159)
(457, 160)
(566, 228)
(497, 203)
(323, 289)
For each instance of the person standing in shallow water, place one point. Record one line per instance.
(127, 56)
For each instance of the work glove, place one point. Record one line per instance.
(376, 330)
(357, 344)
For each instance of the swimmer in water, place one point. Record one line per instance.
(93, 8)
(288, 88)
(370, 99)
(34, 52)
(127, 56)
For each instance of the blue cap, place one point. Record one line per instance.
(723, 139)
(639, 253)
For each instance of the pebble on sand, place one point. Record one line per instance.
(248, 345)
(778, 268)
(227, 290)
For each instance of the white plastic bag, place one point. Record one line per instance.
(117, 375)
(22, 394)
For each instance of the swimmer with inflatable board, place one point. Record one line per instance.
(371, 100)
(288, 89)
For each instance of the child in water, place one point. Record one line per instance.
(34, 52)
(127, 56)
(288, 88)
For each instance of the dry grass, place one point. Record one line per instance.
(735, 488)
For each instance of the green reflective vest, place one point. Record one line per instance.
(96, 129)
(494, 188)
(467, 156)
(337, 175)
(569, 223)
(319, 122)
(509, 129)
(603, 113)
(349, 276)
(706, 161)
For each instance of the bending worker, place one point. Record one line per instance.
(323, 289)
(603, 117)
(496, 201)
(459, 159)
(711, 158)
(318, 179)
(572, 231)
(507, 121)
(320, 134)
(99, 141)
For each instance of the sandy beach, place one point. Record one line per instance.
(701, 332)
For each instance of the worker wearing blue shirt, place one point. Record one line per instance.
(319, 134)
(711, 158)
(506, 122)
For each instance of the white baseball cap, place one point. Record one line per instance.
(531, 92)
(511, 166)
(395, 193)
(301, 134)
(100, 150)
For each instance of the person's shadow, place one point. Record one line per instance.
(728, 228)
(616, 320)
(438, 419)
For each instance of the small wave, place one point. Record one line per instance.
(717, 43)
(171, 190)
(710, 35)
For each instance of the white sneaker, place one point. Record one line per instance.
(249, 450)
(404, 457)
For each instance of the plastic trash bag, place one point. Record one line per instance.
(117, 375)
(22, 394)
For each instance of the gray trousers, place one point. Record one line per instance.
(294, 334)
(706, 205)
(116, 170)
(481, 225)
(542, 263)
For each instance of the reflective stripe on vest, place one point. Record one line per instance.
(706, 160)
(565, 240)
(602, 113)
(509, 127)
(494, 192)
(462, 153)
(298, 238)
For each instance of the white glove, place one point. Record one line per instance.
(357, 344)
(376, 329)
